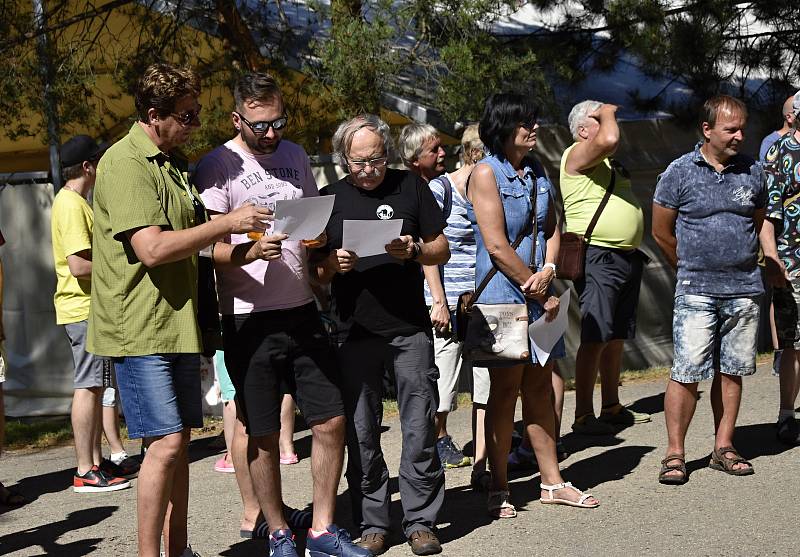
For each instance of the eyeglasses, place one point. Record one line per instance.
(361, 165)
(529, 126)
(186, 118)
(262, 127)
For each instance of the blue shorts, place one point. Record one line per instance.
(713, 334)
(160, 393)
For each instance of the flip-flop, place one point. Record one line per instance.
(581, 502)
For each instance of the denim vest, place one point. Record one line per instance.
(515, 195)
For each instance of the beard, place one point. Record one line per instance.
(256, 146)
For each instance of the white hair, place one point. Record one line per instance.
(343, 137)
(579, 113)
(412, 138)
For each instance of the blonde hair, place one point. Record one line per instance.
(412, 138)
(161, 86)
(470, 140)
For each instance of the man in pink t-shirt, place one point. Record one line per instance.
(272, 333)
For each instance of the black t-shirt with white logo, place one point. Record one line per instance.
(383, 295)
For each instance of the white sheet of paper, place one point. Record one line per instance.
(304, 218)
(544, 335)
(369, 237)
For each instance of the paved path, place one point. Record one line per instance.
(714, 514)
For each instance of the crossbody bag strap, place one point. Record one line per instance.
(603, 203)
(517, 241)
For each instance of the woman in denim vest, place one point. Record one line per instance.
(500, 194)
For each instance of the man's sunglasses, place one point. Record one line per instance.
(186, 118)
(262, 127)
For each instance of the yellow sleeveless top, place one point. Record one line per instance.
(621, 223)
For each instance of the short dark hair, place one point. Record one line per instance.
(161, 86)
(501, 116)
(255, 87)
(716, 104)
(72, 172)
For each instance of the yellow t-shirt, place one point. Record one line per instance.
(621, 224)
(71, 222)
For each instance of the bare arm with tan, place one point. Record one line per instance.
(588, 153)
(155, 246)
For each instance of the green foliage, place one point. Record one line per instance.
(354, 53)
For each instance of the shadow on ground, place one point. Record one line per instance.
(47, 535)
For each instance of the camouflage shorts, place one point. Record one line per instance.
(786, 302)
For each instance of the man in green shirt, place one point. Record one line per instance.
(149, 227)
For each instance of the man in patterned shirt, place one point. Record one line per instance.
(781, 242)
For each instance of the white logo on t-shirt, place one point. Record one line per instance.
(385, 212)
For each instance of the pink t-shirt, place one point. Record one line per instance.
(229, 176)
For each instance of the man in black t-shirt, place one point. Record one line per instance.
(381, 299)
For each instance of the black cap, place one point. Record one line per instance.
(78, 149)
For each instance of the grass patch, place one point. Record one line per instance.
(38, 433)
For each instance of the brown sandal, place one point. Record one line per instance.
(725, 464)
(664, 475)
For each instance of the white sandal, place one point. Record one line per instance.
(558, 501)
(498, 505)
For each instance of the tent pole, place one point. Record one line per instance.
(51, 110)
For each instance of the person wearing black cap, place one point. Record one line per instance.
(71, 229)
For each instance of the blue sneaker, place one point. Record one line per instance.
(281, 544)
(335, 542)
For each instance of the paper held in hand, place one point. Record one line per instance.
(544, 335)
(304, 218)
(369, 237)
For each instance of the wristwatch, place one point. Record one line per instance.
(552, 266)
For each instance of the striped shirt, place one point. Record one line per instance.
(459, 272)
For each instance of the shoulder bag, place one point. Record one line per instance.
(571, 258)
(496, 332)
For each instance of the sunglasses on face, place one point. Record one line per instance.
(187, 117)
(262, 127)
(529, 126)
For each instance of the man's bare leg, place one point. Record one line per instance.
(85, 427)
(680, 402)
(327, 458)
(154, 488)
(238, 449)
(726, 398)
(265, 473)
(176, 537)
(610, 366)
(586, 363)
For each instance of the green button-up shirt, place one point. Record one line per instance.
(137, 310)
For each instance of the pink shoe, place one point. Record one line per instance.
(224, 466)
(289, 458)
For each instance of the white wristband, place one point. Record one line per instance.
(552, 266)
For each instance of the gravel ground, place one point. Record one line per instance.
(714, 514)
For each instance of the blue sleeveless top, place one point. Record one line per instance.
(515, 195)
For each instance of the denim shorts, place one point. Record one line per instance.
(713, 333)
(160, 393)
